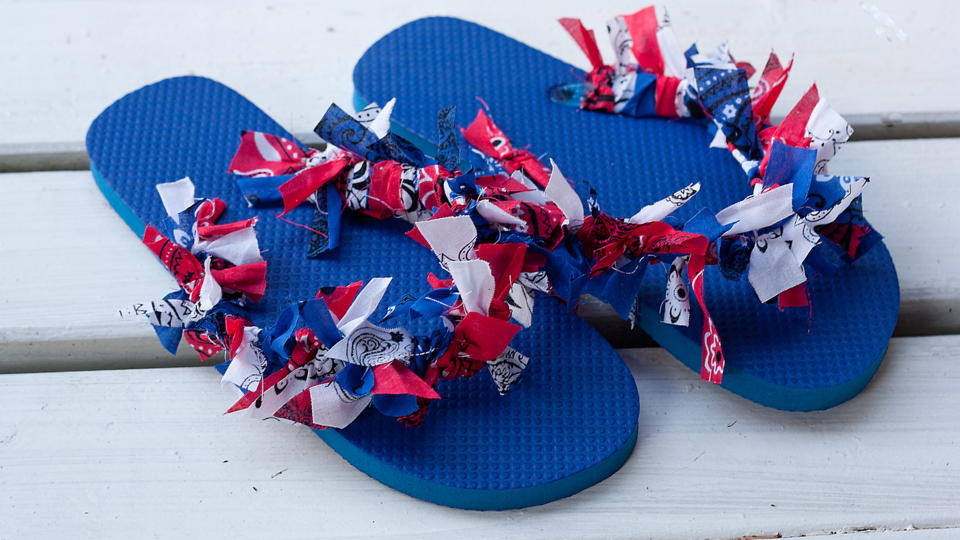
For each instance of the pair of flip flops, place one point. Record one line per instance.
(572, 421)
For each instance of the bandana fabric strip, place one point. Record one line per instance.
(712, 362)
(232, 274)
(486, 137)
(642, 26)
(765, 94)
(507, 216)
(307, 182)
(366, 365)
(177, 260)
(322, 363)
(725, 96)
(262, 154)
(665, 101)
(585, 39)
(339, 299)
(638, 84)
(350, 134)
(653, 77)
(794, 202)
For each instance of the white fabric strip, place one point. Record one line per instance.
(664, 207)
(239, 247)
(674, 62)
(827, 131)
(380, 125)
(495, 214)
(334, 407)
(773, 268)
(758, 211)
(246, 367)
(176, 197)
(475, 282)
(676, 301)
(450, 238)
(562, 193)
(286, 389)
(364, 304)
(506, 368)
(172, 313)
(521, 301)
(210, 291)
(370, 345)
(625, 78)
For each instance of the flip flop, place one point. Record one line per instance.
(802, 359)
(569, 423)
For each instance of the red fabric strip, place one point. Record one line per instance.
(210, 211)
(712, 362)
(485, 136)
(297, 189)
(396, 378)
(793, 297)
(338, 299)
(234, 327)
(768, 88)
(262, 154)
(178, 260)
(642, 26)
(665, 100)
(249, 279)
(383, 200)
(585, 39)
(208, 231)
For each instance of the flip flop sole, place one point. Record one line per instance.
(569, 423)
(786, 360)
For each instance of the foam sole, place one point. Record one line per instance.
(571, 421)
(779, 359)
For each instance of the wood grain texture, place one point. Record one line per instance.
(71, 262)
(146, 452)
(64, 61)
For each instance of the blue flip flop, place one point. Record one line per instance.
(571, 421)
(793, 359)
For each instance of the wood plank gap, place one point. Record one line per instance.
(70, 156)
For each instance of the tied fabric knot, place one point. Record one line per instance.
(489, 139)
(337, 364)
(262, 154)
(653, 76)
(776, 232)
(610, 240)
(648, 78)
(213, 292)
(361, 167)
(273, 170)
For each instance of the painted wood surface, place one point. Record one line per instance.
(70, 262)
(881, 62)
(147, 452)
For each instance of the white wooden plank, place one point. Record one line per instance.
(912, 200)
(64, 61)
(945, 533)
(146, 452)
(69, 261)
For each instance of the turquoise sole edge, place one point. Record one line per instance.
(739, 382)
(467, 499)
